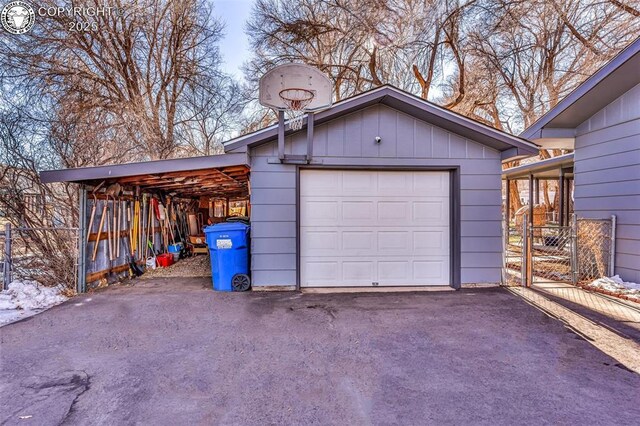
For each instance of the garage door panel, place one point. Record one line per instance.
(391, 242)
(358, 270)
(431, 212)
(357, 183)
(357, 212)
(395, 184)
(320, 271)
(430, 242)
(389, 228)
(394, 271)
(431, 271)
(320, 212)
(319, 183)
(393, 212)
(434, 184)
(354, 243)
(321, 242)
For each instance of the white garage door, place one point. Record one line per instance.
(374, 228)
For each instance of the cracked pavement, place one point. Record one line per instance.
(171, 351)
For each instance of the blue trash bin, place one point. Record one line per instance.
(229, 253)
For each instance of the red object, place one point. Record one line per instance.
(156, 209)
(165, 260)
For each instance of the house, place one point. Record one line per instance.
(385, 189)
(600, 121)
(19, 197)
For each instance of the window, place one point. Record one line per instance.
(238, 208)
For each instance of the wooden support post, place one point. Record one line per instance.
(525, 268)
(6, 271)
(612, 247)
(531, 200)
(83, 232)
(561, 202)
(536, 191)
(567, 198)
(508, 202)
(575, 260)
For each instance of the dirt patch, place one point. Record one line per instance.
(196, 266)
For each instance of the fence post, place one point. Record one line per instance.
(6, 271)
(505, 244)
(82, 237)
(612, 247)
(530, 261)
(574, 250)
(524, 268)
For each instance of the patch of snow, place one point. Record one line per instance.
(26, 298)
(616, 284)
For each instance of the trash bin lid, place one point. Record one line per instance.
(226, 226)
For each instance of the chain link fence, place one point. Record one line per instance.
(552, 249)
(514, 250)
(3, 269)
(578, 253)
(595, 249)
(46, 255)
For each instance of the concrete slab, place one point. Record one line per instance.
(171, 351)
(329, 290)
(620, 315)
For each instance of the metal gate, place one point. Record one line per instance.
(515, 260)
(580, 252)
(551, 254)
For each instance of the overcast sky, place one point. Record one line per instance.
(235, 45)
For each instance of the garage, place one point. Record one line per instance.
(374, 228)
(381, 190)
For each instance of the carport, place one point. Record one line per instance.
(191, 191)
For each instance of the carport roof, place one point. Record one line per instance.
(143, 168)
(511, 146)
(549, 168)
(225, 174)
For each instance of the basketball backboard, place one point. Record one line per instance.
(277, 81)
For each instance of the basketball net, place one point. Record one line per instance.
(296, 101)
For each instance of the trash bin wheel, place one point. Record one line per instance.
(240, 282)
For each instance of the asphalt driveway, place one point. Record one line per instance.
(170, 351)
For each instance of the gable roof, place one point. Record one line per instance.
(612, 80)
(512, 146)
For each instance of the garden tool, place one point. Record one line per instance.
(119, 226)
(129, 226)
(109, 241)
(113, 191)
(93, 209)
(97, 243)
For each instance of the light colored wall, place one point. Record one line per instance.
(349, 141)
(607, 175)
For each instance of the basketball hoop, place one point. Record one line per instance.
(296, 100)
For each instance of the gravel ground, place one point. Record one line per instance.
(195, 266)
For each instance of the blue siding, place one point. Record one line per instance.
(607, 175)
(349, 141)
